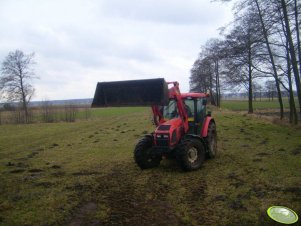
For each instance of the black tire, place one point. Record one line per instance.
(142, 155)
(211, 140)
(191, 154)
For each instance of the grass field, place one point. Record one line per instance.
(242, 105)
(83, 173)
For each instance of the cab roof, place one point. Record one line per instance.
(194, 95)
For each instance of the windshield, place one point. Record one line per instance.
(170, 111)
(189, 107)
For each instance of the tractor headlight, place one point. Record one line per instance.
(162, 136)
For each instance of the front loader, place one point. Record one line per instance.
(184, 129)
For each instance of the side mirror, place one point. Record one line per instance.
(204, 101)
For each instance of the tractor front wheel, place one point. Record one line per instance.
(143, 156)
(191, 154)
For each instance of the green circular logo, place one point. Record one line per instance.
(282, 214)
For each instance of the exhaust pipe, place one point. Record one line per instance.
(146, 92)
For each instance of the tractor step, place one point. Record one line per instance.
(144, 92)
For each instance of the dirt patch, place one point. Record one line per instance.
(9, 164)
(44, 184)
(54, 145)
(127, 203)
(31, 155)
(55, 167)
(17, 171)
(81, 216)
(198, 191)
(80, 188)
(237, 205)
(258, 191)
(58, 174)
(85, 173)
(295, 192)
(35, 170)
(296, 151)
(235, 180)
(261, 154)
(265, 141)
(22, 165)
(221, 198)
(257, 160)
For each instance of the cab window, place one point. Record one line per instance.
(200, 109)
(189, 107)
(170, 111)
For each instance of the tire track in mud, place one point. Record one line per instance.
(196, 193)
(129, 196)
(133, 201)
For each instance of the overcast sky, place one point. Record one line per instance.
(78, 43)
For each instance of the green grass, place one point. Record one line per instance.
(83, 173)
(242, 105)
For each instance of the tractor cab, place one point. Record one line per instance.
(195, 106)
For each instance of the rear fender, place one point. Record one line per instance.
(206, 123)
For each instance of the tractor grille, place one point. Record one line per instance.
(162, 142)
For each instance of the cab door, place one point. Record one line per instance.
(196, 112)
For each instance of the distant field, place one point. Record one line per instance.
(242, 105)
(83, 173)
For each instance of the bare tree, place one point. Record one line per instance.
(70, 111)
(293, 58)
(270, 89)
(244, 48)
(47, 111)
(16, 77)
(202, 77)
(205, 72)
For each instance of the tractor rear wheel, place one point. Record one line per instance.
(143, 156)
(211, 140)
(191, 154)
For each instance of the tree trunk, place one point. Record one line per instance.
(250, 91)
(298, 36)
(293, 110)
(217, 83)
(272, 59)
(292, 52)
(24, 102)
(250, 111)
(211, 87)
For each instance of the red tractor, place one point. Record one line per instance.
(184, 129)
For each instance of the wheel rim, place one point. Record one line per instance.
(192, 154)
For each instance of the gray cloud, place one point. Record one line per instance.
(78, 43)
(164, 11)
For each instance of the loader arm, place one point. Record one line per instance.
(174, 92)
